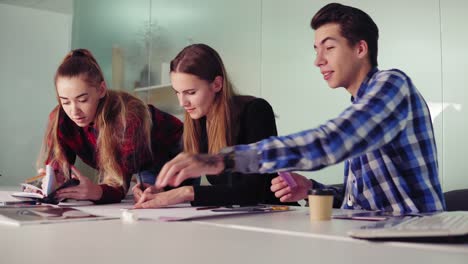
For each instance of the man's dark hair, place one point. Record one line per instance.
(355, 25)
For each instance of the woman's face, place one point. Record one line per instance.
(78, 99)
(195, 95)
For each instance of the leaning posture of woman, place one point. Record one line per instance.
(215, 118)
(111, 131)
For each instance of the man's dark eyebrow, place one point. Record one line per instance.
(81, 95)
(325, 40)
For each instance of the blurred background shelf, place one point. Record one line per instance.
(153, 87)
(161, 96)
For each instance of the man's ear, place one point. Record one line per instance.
(217, 83)
(362, 50)
(102, 89)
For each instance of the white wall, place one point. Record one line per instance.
(455, 92)
(32, 44)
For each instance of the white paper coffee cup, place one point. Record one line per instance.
(320, 204)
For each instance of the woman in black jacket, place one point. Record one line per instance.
(215, 118)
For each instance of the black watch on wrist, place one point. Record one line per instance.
(229, 161)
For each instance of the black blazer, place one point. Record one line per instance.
(254, 121)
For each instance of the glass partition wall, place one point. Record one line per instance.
(135, 40)
(267, 47)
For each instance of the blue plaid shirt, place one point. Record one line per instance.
(385, 136)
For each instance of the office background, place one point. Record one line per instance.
(266, 45)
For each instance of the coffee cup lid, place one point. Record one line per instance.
(320, 192)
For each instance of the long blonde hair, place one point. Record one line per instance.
(204, 62)
(112, 114)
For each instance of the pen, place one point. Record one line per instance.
(29, 180)
(140, 179)
(255, 208)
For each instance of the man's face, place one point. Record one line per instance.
(339, 62)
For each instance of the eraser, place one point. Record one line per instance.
(287, 177)
(128, 216)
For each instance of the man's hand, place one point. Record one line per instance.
(161, 199)
(137, 192)
(288, 194)
(185, 166)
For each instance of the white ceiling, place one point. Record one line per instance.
(59, 6)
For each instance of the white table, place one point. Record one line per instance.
(284, 237)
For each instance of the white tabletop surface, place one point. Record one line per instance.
(283, 237)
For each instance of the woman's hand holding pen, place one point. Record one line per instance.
(137, 192)
(287, 194)
(161, 199)
(86, 190)
(59, 178)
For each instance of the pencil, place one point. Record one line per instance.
(279, 208)
(29, 180)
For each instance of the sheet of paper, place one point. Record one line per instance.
(44, 215)
(173, 213)
(6, 196)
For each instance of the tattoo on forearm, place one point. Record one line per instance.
(208, 160)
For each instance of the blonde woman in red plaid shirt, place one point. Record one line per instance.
(111, 131)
